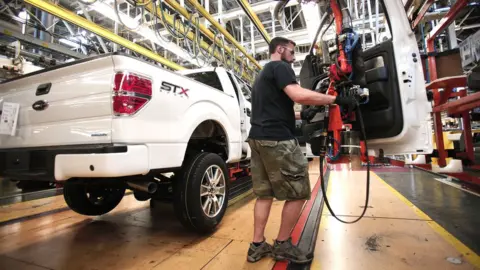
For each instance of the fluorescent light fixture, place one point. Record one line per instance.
(24, 15)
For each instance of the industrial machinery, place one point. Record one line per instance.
(340, 74)
(337, 134)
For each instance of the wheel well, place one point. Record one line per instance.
(209, 136)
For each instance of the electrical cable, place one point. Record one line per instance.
(322, 180)
(330, 153)
(195, 48)
(117, 12)
(168, 27)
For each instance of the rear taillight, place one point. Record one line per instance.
(130, 93)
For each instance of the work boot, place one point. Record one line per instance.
(255, 253)
(287, 251)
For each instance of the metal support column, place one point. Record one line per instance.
(87, 15)
(115, 29)
(220, 12)
(241, 30)
(207, 9)
(254, 19)
(252, 37)
(273, 22)
(452, 37)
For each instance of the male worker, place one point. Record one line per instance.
(279, 168)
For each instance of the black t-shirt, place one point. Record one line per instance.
(273, 116)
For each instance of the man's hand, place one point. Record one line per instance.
(349, 102)
(309, 114)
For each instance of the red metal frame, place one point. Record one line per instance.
(422, 12)
(237, 168)
(461, 106)
(449, 83)
(466, 103)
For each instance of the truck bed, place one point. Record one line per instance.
(76, 105)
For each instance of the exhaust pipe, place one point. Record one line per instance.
(145, 186)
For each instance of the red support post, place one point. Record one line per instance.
(446, 94)
(448, 19)
(422, 12)
(467, 130)
(442, 154)
(432, 67)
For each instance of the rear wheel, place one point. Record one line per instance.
(201, 192)
(92, 200)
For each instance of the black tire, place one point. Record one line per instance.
(92, 200)
(187, 189)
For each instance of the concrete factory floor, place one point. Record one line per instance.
(413, 221)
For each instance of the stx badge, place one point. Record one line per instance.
(175, 89)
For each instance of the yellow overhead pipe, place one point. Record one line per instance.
(71, 17)
(253, 17)
(190, 35)
(175, 5)
(227, 35)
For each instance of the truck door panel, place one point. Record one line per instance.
(384, 105)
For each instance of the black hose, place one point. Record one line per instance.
(367, 197)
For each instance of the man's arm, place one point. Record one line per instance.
(297, 116)
(286, 80)
(307, 97)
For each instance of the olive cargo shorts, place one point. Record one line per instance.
(279, 170)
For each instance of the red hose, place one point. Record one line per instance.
(345, 68)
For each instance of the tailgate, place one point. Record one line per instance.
(68, 105)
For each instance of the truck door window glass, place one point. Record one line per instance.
(234, 86)
(246, 90)
(209, 78)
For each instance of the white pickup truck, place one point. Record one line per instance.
(104, 124)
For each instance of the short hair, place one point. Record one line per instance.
(278, 41)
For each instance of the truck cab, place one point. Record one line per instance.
(235, 86)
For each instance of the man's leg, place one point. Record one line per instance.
(290, 215)
(261, 213)
(288, 171)
(262, 188)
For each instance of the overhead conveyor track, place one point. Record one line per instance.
(245, 69)
(190, 34)
(69, 16)
(223, 31)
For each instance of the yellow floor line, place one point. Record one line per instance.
(468, 254)
(240, 197)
